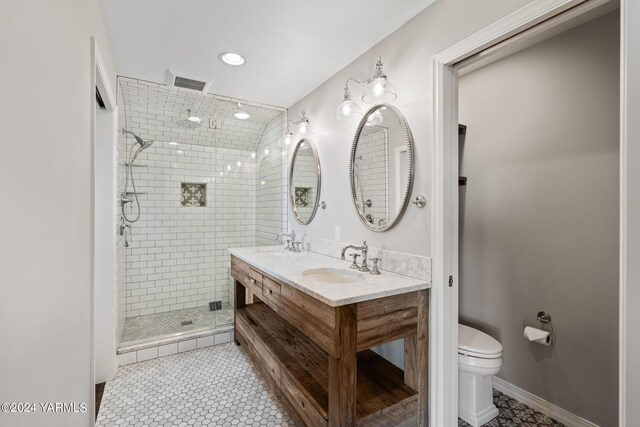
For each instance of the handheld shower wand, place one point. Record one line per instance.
(143, 145)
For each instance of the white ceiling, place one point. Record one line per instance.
(291, 46)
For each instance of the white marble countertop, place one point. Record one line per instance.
(288, 268)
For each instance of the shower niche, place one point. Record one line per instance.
(193, 195)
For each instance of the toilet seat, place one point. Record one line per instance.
(475, 343)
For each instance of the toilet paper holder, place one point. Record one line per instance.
(545, 319)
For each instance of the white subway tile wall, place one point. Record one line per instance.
(305, 179)
(271, 183)
(373, 170)
(177, 256)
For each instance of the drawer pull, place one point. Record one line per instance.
(270, 292)
(252, 281)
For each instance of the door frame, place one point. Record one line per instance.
(103, 219)
(526, 26)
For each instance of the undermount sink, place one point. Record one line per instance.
(333, 275)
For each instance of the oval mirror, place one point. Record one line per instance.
(304, 181)
(382, 164)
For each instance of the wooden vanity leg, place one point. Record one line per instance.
(343, 370)
(239, 301)
(410, 361)
(419, 347)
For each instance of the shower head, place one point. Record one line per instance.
(146, 144)
(143, 144)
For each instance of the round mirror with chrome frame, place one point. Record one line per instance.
(381, 167)
(305, 180)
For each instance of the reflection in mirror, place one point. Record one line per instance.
(381, 167)
(304, 181)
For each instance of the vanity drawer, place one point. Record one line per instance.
(271, 291)
(254, 285)
(244, 274)
(256, 276)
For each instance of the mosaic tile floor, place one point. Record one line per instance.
(213, 386)
(217, 386)
(157, 325)
(515, 414)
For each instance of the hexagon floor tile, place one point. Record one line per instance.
(218, 386)
(213, 386)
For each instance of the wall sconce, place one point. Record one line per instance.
(301, 126)
(378, 90)
(287, 139)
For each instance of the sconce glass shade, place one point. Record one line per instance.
(348, 109)
(303, 127)
(379, 90)
(374, 119)
(287, 139)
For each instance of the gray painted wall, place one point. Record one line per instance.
(407, 55)
(539, 216)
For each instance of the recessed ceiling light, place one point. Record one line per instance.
(173, 143)
(232, 58)
(194, 119)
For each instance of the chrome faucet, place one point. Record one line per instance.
(364, 248)
(292, 245)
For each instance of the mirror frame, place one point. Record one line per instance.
(411, 155)
(292, 201)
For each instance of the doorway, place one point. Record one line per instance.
(530, 25)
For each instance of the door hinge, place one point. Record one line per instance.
(450, 281)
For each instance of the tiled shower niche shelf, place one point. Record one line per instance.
(193, 195)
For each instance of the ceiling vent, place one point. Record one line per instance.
(188, 81)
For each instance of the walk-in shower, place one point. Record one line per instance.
(190, 196)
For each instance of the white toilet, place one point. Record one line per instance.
(479, 358)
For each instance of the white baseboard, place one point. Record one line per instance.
(557, 413)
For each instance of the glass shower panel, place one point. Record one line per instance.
(201, 191)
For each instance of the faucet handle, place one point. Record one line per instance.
(354, 265)
(375, 270)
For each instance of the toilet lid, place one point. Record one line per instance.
(475, 343)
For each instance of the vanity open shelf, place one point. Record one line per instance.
(302, 368)
(317, 357)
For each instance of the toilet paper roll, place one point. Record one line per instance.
(537, 335)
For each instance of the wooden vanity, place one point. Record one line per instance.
(316, 355)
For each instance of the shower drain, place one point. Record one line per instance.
(187, 323)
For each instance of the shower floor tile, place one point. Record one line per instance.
(214, 386)
(153, 326)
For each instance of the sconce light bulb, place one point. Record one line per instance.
(378, 88)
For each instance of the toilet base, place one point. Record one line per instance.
(475, 398)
